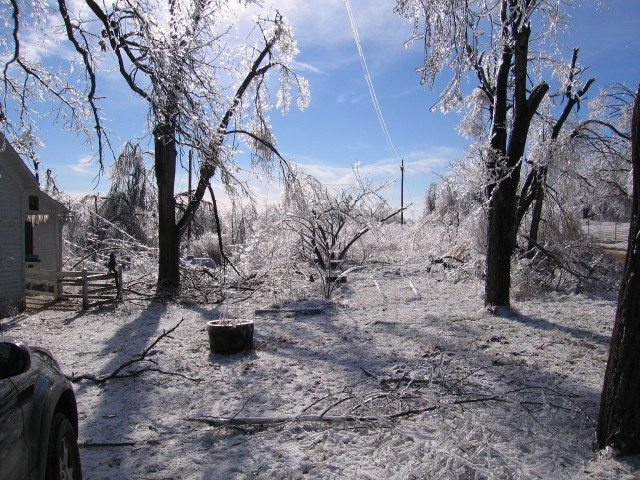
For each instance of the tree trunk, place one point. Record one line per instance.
(500, 242)
(168, 236)
(533, 191)
(619, 421)
(498, 278)
(506, 162)
(536, 213)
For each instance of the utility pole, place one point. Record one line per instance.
(402, 194)
(189, 199)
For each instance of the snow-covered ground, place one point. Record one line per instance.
(403, 375)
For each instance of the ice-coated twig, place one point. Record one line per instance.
(100, 379)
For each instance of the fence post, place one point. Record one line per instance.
(119, 281)
(56, 285)
(59, 289)
(85, 290)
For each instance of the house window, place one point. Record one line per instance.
(34, 203)
(28, 238)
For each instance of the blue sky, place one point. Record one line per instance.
(340, 127)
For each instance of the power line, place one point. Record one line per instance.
(367, 77)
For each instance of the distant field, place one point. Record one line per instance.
(607, 232)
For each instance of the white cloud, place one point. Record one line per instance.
(352, 99)
(427, 162)
(330, 175)
(84, 166)
(49, 40)
(306, 68)
(325, 23)
(435, 158)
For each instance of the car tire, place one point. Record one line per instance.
(63, 458)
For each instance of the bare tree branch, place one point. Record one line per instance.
(119, 371)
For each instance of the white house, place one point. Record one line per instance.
(30, 227)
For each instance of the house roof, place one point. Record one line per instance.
(17, 170)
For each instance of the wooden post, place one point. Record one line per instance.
(189, 200)
(57, 288)
(85, 290)
(402, 194)
(119, 283)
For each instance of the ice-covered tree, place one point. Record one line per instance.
(603, 143)
(548, 145)
(330, 221)
(202, 86)
(495, 41)
(619, 420)
(34, 89)
(130, 198)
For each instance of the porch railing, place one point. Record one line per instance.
(92, 287)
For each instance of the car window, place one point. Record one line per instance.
(10, 359)
(5, 357)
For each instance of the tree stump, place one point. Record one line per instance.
(226, 336)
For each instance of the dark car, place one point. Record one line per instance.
(38, 416)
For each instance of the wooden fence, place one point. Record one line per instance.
(92, 287)
(606, 232)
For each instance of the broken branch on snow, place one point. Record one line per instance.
(243, 421)
(118, 372)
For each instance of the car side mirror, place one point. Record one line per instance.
(15, 358)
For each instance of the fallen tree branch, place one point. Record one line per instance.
(416, 411)
(256, 421)
(556, 260)
(251, 424)
(99, 379)
(240, 422)
(107, 444)
(243, 421)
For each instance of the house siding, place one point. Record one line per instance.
(11, 240)
(43, 232)
(17, 183)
